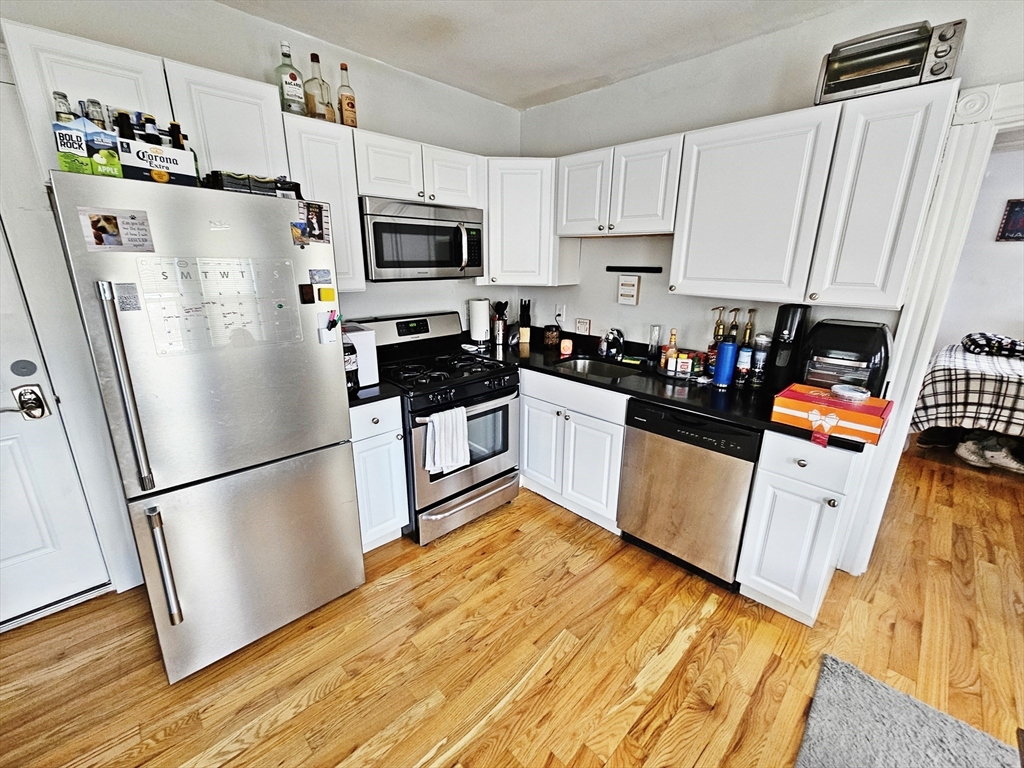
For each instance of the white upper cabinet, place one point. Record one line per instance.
(885, 166)
(645, 185)
(322, 160)
(407, 170)
(584, 186)
(522, 248)
(453, 178)
(625, 190)
(750, 197)
(233, 124)
(45, 61)
(389, 167)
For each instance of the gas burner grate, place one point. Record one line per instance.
(407, 372)
(431, 378)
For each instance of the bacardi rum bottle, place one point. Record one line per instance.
(318, 93)
(289, 83)
(346, 99)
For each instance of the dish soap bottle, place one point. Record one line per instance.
(717, 336)
(745, 351)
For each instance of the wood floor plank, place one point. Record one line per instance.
(534, 638)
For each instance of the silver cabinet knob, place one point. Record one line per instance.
(801, 462)
(375, 420)
(420, 194)
(600, 227)
(832, 503)
(611, 227)
(399, 437)
(494, 279)
(671, 287)
(431, 197)
(567, 417)
(813, 297)
(558, 413)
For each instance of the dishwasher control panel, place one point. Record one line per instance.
(695, 429)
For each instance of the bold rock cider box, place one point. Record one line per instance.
(825, 414)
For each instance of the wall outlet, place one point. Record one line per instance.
(582, 326)
(560, 313)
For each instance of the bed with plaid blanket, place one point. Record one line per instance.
(962, 389)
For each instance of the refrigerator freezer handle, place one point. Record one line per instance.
(163, 561)
(124, 380)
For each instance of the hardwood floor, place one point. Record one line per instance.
(533, 638)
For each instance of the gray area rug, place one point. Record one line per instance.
(859, 722)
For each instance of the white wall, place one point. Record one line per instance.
(208, 34)
(595, 297)
(768, 74)
(988, 290)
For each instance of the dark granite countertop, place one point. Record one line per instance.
(372, 394)
(744, 407)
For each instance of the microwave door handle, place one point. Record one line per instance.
(465, 247)
(124, 381)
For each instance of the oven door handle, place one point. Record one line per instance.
(465, 246)
(490, 405)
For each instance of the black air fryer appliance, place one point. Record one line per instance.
(846, 352)
(783, 367)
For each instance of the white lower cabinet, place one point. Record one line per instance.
(572, 459)
(797, 523)
(380, 472)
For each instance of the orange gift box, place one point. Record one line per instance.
(820, 411)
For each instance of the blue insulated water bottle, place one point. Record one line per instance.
(725, 364)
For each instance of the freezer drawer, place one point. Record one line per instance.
(232, 559)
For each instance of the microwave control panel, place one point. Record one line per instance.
(474, 238)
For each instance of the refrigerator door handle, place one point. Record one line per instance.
(163, 561)
(124, 380)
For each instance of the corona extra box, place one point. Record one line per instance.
(150, 162)
(825, 414)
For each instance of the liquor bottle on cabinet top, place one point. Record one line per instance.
(289, 83)
(346, 99)
(318, 93)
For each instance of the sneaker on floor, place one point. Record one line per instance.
(1002, 458)
(970, 452)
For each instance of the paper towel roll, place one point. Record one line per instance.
(479, 319)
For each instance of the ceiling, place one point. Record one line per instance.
(524, 53)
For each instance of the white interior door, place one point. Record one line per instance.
(48, 548)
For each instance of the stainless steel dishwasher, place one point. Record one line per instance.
(685, 484)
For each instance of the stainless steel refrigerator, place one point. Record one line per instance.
(226, 402)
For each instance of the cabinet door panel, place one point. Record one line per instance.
(519, 217)
(388, 167)
(381, 488)
(233, 124)
(45, 61)
(452, 178)
(645, 185)
(542, 442)
(788, 544)
(584, 183)
(322, 160)
(750, 198)
(886, 162)
(593, 458)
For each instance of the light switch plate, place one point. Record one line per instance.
(629, 289)
(582, 326)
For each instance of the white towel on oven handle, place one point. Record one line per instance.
(447, 444)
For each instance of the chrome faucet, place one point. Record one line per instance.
(612, 344)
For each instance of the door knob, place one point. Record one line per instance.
(31, 403)
(832, 503)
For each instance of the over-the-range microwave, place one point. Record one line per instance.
(415, 241)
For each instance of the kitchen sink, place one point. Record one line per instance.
(596, 368)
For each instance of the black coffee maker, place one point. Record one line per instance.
(783, 366)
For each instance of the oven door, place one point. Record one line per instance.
(400, 248)
(493, 448)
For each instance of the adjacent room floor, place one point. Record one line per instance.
(533, 638)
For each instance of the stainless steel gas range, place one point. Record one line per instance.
(423, 356)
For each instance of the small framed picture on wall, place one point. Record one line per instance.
(1011, 228)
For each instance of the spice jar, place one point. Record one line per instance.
(551, 336)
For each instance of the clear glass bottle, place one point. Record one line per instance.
(62, 108)
(318, 93)
(289, 83)
(94, 111)
(346, 99)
